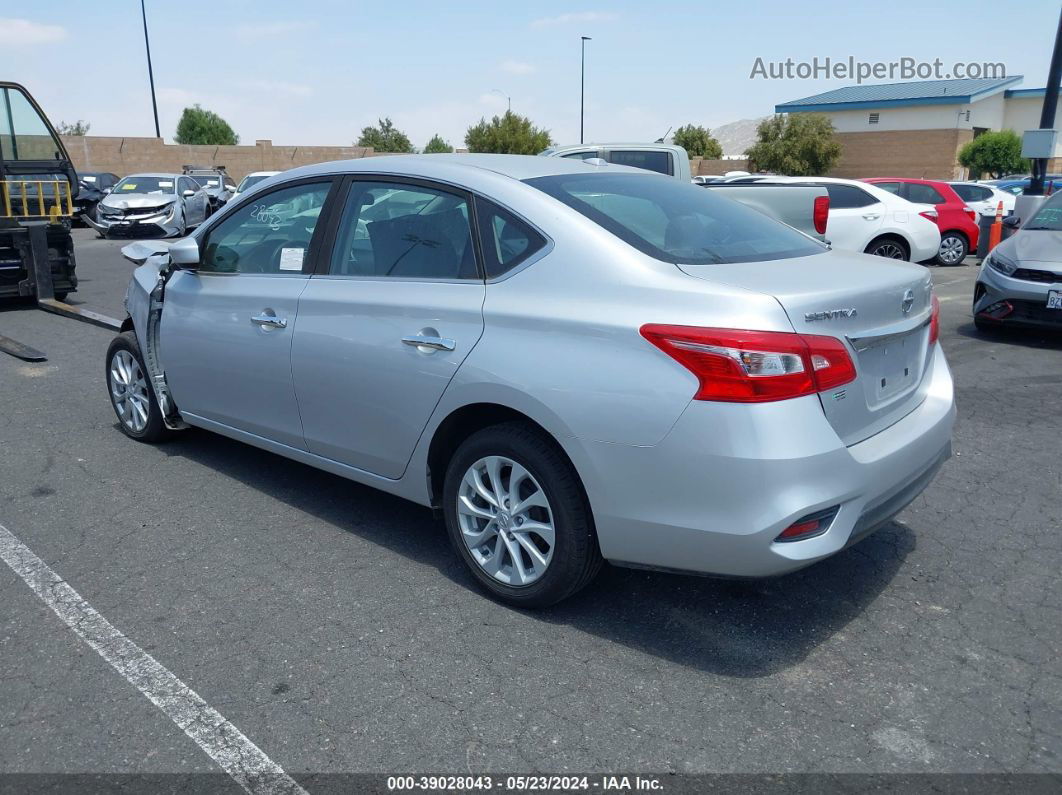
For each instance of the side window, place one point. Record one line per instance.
(967, 193)
(184, 184)
(269, 235)
(891, 187)
(844, 197)
(982, 194)
(923, 194)
(505, 240)
(651, 161)
(398, 230)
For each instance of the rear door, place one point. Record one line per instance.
(855, 217)
(387, 321)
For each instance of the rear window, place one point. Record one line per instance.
(676, 221)
(659, 162)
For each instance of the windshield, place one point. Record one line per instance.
(1049, 216)
(24, 135)
(206, 180)
(676, 221)
(145, 185)
(249, 181)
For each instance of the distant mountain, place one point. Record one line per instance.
(737, 136)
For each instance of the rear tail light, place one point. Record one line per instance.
(934, 321)
(821, 213)
(971, 214)
(740, 366)
(929, 215)
(812, 525)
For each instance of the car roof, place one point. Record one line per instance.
(454, 167)
(262, 174)
(153, 174)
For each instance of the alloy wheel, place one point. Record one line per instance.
(951, 250)
(506, 521)
(888, 250)
(129, 391)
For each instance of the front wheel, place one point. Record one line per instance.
(517, 516)
(953, 249)
(132, 396)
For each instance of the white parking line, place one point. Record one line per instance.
(224, 743)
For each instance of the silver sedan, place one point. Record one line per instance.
(151, 205)
(574, 362)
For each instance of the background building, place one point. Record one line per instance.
(916, 129)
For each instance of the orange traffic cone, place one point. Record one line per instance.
(995, 232)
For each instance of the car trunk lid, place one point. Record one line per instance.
(880, 309)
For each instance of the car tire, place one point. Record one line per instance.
(60, 296)
(550, 490)
(132, 397)
(953, 249)
(889, 247)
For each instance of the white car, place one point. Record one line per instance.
(866, 218)
(252, 179)
(984, 199)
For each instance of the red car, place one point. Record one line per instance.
(956, 220)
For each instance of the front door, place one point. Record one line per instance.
(227, 327)
(855, 217)
(382, 330)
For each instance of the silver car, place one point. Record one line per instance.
(1020, 282)
(574, 362)
(155, 205)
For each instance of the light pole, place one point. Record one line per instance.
(151, 76)
(582, 86)
(1047, 112)
(508, 99)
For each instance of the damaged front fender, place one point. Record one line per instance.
(143, 301)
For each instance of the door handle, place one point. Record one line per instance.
(434, 343)
(871, 216)
(270, 321)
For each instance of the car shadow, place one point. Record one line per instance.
(736, 628)
(1010, 335)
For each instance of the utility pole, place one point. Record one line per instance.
(1047, 114)
(508, 99)
(151, 75)
(582, 86)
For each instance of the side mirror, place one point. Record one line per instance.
(1012, 221)
(184, 253)
(188, 194)
(107, 190)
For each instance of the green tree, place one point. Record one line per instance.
(201, 126)
(437, 145)
(698, 142)
(995, 153)
(77, 128)
(385, 137)
(800, 144)
(510, 134)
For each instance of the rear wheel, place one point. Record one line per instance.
(132, 397)
(888, 247)
(953, 249)
(517, 517)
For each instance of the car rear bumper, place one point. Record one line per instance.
(714, 495)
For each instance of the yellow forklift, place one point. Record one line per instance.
(37, 187)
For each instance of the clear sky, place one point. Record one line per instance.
(317, 71)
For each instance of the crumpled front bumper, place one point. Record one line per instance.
(1027, 300)
(164, 224)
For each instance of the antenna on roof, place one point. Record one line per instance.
(663, 137)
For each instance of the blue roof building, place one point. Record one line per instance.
(915, 129)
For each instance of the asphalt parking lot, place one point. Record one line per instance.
(334, 627)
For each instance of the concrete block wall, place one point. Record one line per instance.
(134, 155)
